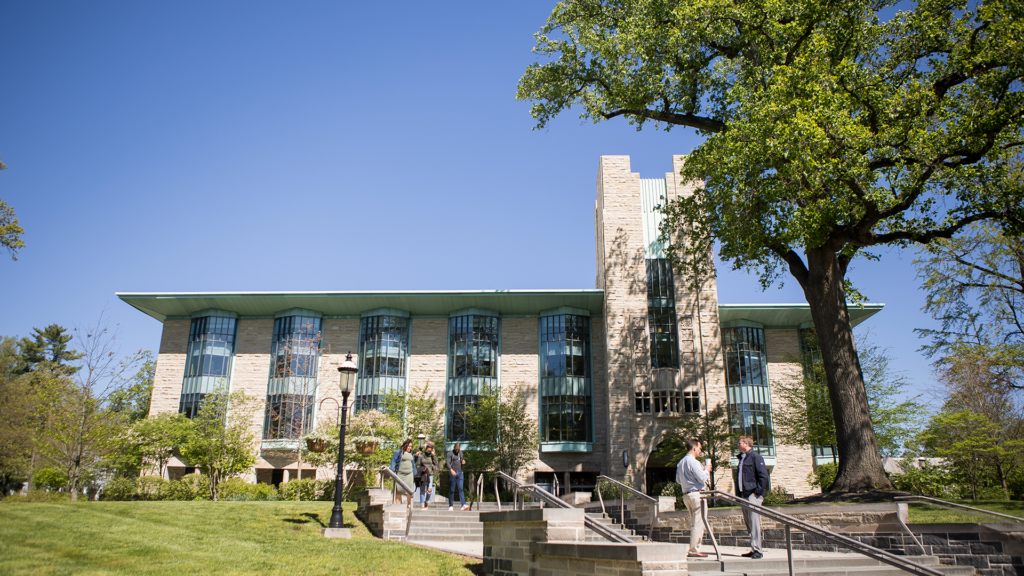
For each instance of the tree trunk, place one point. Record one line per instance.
(860, 464)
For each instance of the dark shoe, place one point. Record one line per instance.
(697, 555)
(748, 554)
(756, 556)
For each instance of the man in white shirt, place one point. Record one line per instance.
(692, 477)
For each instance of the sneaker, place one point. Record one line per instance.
(756, 556)
(423, 508)
(466, 507)
(696, 555)
(451, 508)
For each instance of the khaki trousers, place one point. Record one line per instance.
(696, 508)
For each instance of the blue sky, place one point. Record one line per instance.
(311, 146)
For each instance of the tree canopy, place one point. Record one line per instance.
(831, 128)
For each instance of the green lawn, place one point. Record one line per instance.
(920, 514)
(201, 538)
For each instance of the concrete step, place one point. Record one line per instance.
(852, 571)
(854, 565)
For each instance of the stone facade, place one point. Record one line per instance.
(550, 542)
(623, 440)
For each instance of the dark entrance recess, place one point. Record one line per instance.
(658, 470)
(276, 477)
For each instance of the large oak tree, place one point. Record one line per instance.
(832, 127)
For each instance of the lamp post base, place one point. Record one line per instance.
(337, 533)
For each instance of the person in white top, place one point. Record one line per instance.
(692, 477)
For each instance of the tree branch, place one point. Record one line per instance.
(690, 120)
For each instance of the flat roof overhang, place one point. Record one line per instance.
(789, 316)
(439, 303)
(421, 303)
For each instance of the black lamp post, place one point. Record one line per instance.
(347, 372)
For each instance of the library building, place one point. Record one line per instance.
(607, 370)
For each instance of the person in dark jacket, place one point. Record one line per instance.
(426, 468)
(751, 484)
(454, 461)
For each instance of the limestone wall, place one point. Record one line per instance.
(792, 463)
(170, 367)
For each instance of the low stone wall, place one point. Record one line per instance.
(549, 542)
(383, 519)
(993, 549)
(730, 529)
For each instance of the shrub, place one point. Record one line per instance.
(992, 493)
(177, 490)
(199, 485)
(50, 478)
(234, 489)
(304, 490)
(150, 487)
(670, 488)
(119, 489)
(926, 480)
(325, 490)
(777, 496)
(608, 491)
(823, 476)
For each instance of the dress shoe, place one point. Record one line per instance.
(756, 556)
(748, 554)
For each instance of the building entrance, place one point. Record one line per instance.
(658, 470)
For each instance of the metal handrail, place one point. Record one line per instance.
(622, 501)
(479, 489)
(790, 522)
(955, 507)
(557, 502)
(398, 481)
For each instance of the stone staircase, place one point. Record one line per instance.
(437, 524)
(854, 565)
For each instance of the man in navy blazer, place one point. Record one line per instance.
(751, 484)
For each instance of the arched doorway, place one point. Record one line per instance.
(658, 469)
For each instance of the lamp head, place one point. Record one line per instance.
(347, 373)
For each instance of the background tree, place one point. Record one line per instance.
(420, 412)
(975, 287)
(80, 428)
(17, 417)
(49, 347)
(10, 230)
(803, 416)
(973, 445)
(712, 429)
(831, 128)
(219, 441)
(132, 399)
(502, 433)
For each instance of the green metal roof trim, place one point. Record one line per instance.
(351, 304)
(786, 315)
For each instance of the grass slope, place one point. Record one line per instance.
(920, 514)
(200, 538)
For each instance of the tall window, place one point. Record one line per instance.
(383, 353)
(291, 390)
(746, 380)
(661, 314)
(565, 391)
(472, 365)
(211, 344)
(810, 359)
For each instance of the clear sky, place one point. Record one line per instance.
(311, 146)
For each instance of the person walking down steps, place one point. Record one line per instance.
(454, 461)
(403, 464)
(426, 469)
(692, 477)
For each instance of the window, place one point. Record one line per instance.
(746, 386)
(211, 345)
(291, 389)
(661, 314)
(810, 360)
(472, 365)
(643, 402)
(565, 394)
(691, 401)
(665, 401)
(383, 353)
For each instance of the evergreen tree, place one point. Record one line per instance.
(49, 345)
